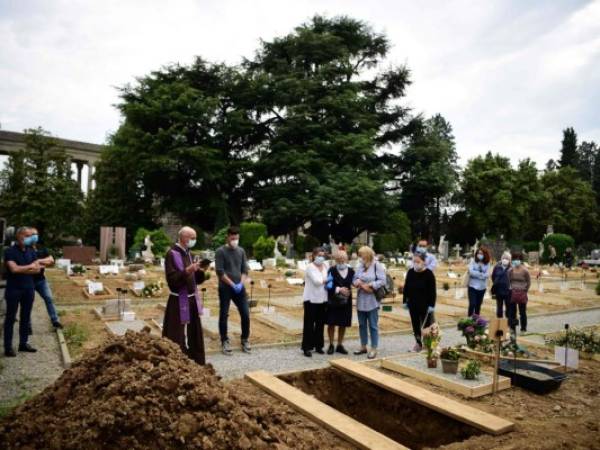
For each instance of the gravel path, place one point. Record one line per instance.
(30, 373)
(280, 359)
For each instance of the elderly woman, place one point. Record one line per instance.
(315, 298)
(339, 301)
(419, 296)
(369, 277)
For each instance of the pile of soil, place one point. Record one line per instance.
(141, 391)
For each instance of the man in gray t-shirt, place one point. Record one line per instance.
(232, 269)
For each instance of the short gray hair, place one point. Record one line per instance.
(21, 230)
(185, 230)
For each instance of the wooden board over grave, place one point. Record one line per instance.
(344, 426)
(464, 413)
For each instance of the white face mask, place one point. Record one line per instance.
(191, 243)
(505, 262)
(234, 243)
(319, 260)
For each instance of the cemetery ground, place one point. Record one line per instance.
(565, 418)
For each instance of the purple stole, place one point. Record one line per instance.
(184, 306)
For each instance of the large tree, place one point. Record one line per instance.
(189, 135)
(426, 172)
(37, 189)
(586, 158)
(328, 113)
(568, 151)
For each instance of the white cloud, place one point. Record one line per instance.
(509, 75)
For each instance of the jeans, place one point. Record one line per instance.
(226, 295)
(14, 299)
(475, 301)
(314, 325)
(502, 305)
(368, 321)
(43, 288)
(512, 315)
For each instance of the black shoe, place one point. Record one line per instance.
(340, 349)
(523, 330)
(27, 348)
(320, 351)
(362, 351)
(30, 332)
(57, 324)
(307, 353)
(330, 349)
(9, 353)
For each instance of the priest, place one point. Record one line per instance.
(182, 322)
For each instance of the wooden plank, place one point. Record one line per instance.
(64, 350)
(464, 413)
(344, 426)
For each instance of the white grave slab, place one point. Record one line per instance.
(138, 285)
(117, 262)
(255, 265)
(108, 269)
(94, 287)
(302, 265)
(63, 263)
(295, 281)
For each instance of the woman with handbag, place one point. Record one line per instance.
(370, 282)
(479, 271)
(419, 296)
(315, 304)
(339, 301)
(520, 282)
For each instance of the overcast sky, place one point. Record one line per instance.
(508, 75)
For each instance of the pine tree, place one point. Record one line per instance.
(568, 152)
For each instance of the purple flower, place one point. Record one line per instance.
(470, 329)
(481, 322)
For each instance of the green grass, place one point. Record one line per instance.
(75, 335)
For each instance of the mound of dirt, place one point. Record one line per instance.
(140, 391)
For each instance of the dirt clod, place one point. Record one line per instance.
(140, 391)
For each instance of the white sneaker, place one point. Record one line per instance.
(226, 347)
(372, 354)
(246, 347)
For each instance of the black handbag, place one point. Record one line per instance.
(381, 292)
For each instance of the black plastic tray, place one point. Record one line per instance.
(551, 378)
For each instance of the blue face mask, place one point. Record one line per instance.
(342, 266)
(35, 238)
(319, 260)
(421, 249)
(516, 263)
(480, 257)
(28, 241)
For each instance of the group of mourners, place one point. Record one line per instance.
(328, 293)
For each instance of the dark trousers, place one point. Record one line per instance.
(475, 301)
(417, 318)
(226, 295)
(314, 324)
(502, 305)
(512, 315)
(22, 298)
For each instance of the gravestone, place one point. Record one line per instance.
(443, 248)
(79, 255)
(534, 258)
(147, 254)
(457, 248)
(497, 247)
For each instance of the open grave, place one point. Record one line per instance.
(372, 409)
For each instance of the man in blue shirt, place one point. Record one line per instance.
(21, 266)
(430, 261)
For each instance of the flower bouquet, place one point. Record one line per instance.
(474, 329)
(431, 338)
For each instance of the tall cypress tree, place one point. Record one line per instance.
(568, 152)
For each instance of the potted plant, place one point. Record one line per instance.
(431, 337)
(449, 357)
(471, 370)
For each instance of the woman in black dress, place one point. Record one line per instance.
(339, 301)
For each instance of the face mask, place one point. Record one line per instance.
(421, 249)
(480, 257)
(418, 266)
(34, 238)
(516, 263)
(319, 260)
(234, 243)
(28, 241)
(191, 243)
(342, 266)
(505, 262)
